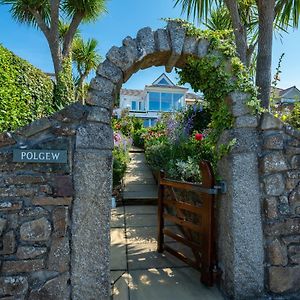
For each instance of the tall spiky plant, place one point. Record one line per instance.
(86, 59)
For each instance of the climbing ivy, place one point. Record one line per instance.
(64, 92)
(217, 74)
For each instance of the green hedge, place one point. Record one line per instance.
(26, 93)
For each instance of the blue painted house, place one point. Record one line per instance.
(159, 97)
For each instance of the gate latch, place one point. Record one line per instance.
(221, 187)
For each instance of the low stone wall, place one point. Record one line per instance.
(280, 178)
(35, 205)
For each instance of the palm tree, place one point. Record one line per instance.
(46, 15)
(86, 59)
(284, 11)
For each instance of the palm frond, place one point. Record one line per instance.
(197, 9)
(219, 19)
(85, 55)
(89, 9)
(21, 10)
(287, 12)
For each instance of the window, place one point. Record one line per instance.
(133, 105)
(149, 122)
(154, 101)
(177, 101)
(153, 122)
(166, 102)
(163, 81)
(140, 105)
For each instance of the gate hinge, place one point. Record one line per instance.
(221, 187)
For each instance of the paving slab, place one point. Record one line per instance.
(117, 220)
(141, 209)
(145, 256)
(169, 284)
(118, 256)
(141, 235)
(142, 188)
(138, 180)
(139, 195)
(138, 165)
(140, 173)
(134, 220)
(120, 288)
(118, 211)
(144, 235)
(137, 155)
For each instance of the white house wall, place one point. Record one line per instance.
(126, 100)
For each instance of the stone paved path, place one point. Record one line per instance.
(138, 272)
(139, 184)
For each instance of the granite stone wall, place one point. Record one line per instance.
(35, 205)
(280, 179)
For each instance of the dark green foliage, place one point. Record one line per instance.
(26, 93)
(201, 117)
(120, 162)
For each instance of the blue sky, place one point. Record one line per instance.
(126, 18)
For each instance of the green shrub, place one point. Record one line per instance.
(26, 93)
(121, 157)
(120, 162)
(293, 118)
(138, 138)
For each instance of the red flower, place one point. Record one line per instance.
(199, 136)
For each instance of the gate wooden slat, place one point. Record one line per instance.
(182, 257)
(188, 207)
(205, 254)
(187, 186)
(183, 223)
(178, 238)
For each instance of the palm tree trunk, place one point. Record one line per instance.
(80, 87)
(266, 11)
(56, 56)
(51, 35)
(240, 33)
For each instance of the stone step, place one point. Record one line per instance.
(138, 156)
(135, 202)
(135, 149)
(140, 174)
(140, 195)
(143, 188)
(138, 180)
(138, 167)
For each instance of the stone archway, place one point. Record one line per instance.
(240, 235)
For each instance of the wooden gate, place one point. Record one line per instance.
(194, 216)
